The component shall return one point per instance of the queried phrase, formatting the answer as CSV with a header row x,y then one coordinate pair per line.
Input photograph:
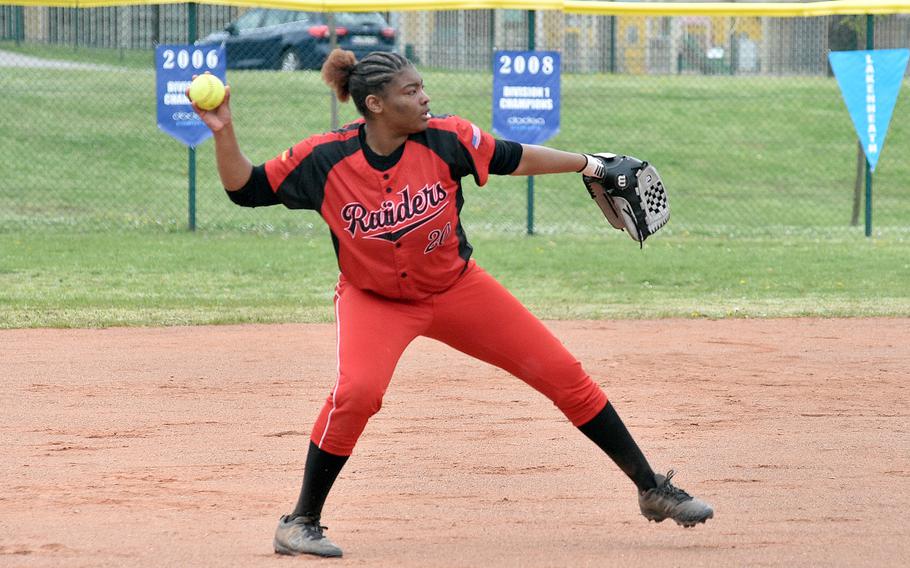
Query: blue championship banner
x,y
175,66
870,82
526,95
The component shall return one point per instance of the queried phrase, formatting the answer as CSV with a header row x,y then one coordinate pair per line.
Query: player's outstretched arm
x,y
538,160
234,167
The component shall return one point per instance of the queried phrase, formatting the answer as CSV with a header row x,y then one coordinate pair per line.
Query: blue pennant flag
x,y
870,82
175,66
526,95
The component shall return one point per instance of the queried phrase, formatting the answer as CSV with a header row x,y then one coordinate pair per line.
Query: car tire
x,y
289,60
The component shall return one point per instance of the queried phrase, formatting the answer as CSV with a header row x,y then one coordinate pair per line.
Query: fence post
x,y
612,44
492,36
532,27
20,25
74,27
870,44
191,151
333,43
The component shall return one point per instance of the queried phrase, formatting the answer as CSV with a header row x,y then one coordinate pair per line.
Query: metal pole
x,y
191,157
532,25
612,44
530,205
74,28
333,43
492,38
870,43
20,25
191,196
868,200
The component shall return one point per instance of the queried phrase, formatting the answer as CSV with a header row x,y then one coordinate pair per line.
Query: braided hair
x,y
354,79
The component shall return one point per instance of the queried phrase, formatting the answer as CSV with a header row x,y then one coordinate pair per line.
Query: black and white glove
x,y
629,192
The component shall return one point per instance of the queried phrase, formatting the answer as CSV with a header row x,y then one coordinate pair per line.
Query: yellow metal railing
x,y
775,9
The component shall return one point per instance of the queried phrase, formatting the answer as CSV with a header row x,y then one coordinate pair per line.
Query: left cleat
x,y
667,501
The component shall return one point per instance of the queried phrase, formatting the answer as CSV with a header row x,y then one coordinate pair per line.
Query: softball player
x,y
389,188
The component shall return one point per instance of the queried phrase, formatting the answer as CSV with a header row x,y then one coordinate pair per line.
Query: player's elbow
x,y
256,192
241,197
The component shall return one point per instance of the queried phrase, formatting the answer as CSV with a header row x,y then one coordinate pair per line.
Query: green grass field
x,y
760,170
147,278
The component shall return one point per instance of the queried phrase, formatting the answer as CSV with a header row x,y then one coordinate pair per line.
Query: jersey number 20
x,y
437,237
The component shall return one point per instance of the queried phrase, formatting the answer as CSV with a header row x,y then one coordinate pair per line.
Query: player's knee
x,y
362,400
542,370
562,374
570,388
580,401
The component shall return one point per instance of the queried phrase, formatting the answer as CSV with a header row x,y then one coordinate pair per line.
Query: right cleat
x,y
302,535
669,502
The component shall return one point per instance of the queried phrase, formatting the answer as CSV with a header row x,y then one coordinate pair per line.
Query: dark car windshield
x,y
250,20
262,18
349,19
277,17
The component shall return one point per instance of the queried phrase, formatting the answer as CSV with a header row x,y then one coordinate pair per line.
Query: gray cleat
x,y
302,535
666,501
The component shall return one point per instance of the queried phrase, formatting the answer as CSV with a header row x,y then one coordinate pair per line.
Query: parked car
x,y
288,40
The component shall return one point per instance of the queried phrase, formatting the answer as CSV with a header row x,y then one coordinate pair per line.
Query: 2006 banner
x,y
175,66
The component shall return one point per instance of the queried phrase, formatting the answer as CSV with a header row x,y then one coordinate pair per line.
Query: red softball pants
x,y
477,316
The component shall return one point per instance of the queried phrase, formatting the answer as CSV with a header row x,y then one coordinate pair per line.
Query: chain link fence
x,y
740,114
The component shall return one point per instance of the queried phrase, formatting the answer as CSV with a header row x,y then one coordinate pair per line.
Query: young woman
x,y
389,188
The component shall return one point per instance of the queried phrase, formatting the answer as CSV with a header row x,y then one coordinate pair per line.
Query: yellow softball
x,y
207,91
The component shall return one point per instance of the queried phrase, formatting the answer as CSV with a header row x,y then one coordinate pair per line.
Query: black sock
x,y
610,434
322,469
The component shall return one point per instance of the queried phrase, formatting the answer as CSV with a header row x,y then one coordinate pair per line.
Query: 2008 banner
x,y
526,95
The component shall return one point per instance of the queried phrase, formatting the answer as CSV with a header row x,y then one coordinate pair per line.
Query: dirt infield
x,y
182,446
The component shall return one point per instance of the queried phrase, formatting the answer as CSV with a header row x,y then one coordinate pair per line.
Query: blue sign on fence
x,y
526,95
175,66
870,82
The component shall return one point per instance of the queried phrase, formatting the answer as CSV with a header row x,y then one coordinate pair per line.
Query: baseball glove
x,y
629,192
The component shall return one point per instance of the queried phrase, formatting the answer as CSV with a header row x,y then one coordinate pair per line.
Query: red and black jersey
x,y
394,219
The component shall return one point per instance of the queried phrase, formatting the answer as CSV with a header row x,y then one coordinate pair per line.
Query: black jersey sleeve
x,y
462,145
257,191
506,157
